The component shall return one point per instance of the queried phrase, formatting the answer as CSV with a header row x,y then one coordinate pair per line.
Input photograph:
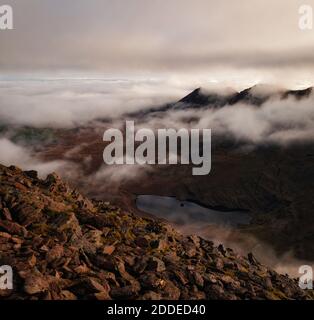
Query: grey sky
x,y
156,35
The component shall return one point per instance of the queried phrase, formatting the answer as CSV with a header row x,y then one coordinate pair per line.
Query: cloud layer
x,y
68,102
13,154
118,36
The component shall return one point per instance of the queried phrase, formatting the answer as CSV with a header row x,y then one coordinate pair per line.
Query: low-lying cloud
x,y
70,102
13,154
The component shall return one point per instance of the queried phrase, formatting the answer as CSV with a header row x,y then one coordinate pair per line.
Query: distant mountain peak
x,y
195,95
256,95
298,94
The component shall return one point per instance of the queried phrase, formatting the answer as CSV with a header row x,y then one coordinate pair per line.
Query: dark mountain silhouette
x,y
198,98
298,94
201,99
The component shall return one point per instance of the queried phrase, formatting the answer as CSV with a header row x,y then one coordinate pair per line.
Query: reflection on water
x,y
185,212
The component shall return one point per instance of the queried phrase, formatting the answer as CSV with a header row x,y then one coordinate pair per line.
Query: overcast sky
x,y
136,36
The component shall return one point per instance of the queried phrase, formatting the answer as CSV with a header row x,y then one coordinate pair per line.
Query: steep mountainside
x,y
63,246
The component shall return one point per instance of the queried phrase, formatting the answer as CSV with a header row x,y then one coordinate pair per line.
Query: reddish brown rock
x,y
108,250
65,247
35,283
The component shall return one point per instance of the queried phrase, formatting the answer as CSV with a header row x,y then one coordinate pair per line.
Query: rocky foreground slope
x,y
63,246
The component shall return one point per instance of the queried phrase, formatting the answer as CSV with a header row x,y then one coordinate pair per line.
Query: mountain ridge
x,y
199,98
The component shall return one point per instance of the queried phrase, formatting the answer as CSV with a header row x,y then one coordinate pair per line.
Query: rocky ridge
x,y
63,246
202,99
